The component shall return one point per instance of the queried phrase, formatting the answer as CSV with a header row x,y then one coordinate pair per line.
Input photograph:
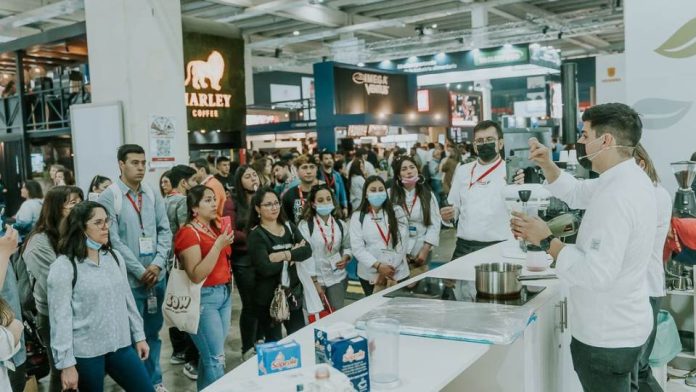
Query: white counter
x,y
425,364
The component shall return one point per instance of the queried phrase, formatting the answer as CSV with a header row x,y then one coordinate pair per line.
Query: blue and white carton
x,y
340,346
278,357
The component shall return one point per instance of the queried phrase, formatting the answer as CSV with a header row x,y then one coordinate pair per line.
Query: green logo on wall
x,y
500,56
682,43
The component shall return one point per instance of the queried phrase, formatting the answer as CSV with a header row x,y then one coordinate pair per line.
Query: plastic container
x,y
383,343
537,261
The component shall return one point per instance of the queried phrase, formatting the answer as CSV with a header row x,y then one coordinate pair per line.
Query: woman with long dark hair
x,y
246,181
94,318
166,184
40,252
29,211
204,251
274,245
330,242
422,211
356,183
263,167
378,230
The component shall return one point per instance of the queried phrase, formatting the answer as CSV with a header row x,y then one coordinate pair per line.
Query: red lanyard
x,y
138,207
329,246
485,174
331,182
413,204
385,238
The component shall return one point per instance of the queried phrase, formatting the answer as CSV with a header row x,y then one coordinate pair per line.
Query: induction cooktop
x,y
460,290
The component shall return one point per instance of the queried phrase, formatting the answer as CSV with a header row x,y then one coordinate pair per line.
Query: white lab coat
x,y
356,187
606,269
481,210
656,270
8,348
367,244
325,272
429,234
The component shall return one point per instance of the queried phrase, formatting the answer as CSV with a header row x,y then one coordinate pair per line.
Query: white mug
x,y
537,261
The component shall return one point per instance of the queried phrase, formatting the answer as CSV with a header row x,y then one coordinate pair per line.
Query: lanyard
x,y
485,174
204,229
331,182
385,238
138,208
413,204
329,246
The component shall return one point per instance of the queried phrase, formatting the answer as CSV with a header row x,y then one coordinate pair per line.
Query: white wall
x,y
661,78
136,57
610,71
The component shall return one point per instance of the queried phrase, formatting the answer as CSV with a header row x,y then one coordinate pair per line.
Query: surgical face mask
x,y
324,209
487,151
584,158
376,199
409,181
92,244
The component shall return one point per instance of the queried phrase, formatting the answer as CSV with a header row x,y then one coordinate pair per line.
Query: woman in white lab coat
x,y
378,231
420,205
328,237
356,183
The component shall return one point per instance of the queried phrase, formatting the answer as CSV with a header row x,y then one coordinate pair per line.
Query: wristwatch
x,y
545,244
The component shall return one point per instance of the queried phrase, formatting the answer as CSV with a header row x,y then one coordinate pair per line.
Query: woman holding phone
x,y
204,252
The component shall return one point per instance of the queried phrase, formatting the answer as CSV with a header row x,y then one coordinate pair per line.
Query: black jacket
x,y
261,243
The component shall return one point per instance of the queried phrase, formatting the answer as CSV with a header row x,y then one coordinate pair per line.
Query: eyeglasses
x,y
101,223
489,139
271,205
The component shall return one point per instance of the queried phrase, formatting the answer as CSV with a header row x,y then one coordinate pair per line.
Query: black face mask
x,y
582,156
487,151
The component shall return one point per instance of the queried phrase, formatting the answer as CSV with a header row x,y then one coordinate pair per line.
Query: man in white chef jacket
x,y
609,314
476,197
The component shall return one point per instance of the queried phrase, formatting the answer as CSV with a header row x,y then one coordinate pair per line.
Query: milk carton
x,y
349,356
278,357
323,334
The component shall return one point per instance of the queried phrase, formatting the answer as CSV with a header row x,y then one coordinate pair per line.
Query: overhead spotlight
x,y
560,35
447,85
295,33
434,25
361,64
203,131
278,52
459,86
545,29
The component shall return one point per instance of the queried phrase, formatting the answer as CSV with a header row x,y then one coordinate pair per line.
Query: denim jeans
x,y
213,327
123,366
152,323
604,369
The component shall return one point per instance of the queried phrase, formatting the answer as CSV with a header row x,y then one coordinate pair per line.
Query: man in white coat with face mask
x,y
476,199
609,310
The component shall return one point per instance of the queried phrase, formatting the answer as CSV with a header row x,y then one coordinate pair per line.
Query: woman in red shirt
x,y
204,250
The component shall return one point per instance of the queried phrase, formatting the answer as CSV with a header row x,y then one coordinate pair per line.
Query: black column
x,y
23,109
570,102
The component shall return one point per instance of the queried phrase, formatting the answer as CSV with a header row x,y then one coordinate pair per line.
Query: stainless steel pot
x,y
498,279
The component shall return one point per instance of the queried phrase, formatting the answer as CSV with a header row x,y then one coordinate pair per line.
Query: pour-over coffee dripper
x,y
685,199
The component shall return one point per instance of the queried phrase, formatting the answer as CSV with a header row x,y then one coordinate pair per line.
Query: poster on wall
x,y
465,109
161,139
214,83
307,88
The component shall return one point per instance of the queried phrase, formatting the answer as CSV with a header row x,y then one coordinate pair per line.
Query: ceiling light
x,y
434,25
459,86
202,130
447,85
438,116
296,33
412,116
471,88
361,64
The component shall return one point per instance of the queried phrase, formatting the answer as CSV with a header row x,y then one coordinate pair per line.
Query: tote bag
x,y
182,299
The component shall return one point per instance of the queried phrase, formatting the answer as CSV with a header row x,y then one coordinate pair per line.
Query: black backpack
x,y
74,266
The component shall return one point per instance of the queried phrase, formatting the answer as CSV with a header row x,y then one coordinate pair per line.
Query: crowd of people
x,y
97,267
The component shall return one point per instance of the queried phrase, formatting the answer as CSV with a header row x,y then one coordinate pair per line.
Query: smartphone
x,y
226,224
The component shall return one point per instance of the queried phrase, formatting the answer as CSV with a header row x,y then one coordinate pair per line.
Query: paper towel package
x,y
322,335
278,357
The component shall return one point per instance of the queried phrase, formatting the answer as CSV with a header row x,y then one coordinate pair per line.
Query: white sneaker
x,y
160,388
190,371
250,353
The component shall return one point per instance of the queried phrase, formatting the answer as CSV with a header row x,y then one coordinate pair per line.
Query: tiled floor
x,y
176,381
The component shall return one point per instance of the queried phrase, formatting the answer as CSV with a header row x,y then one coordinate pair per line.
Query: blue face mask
x,y
92,244
376,199
324,209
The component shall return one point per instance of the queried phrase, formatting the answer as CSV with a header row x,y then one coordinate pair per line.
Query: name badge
x,y
412,231
333,260
390,257
147,246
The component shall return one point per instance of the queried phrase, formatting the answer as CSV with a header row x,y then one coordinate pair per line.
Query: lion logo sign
x,y
197,71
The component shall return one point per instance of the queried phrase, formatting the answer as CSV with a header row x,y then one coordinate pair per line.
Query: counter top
x,y
441,360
